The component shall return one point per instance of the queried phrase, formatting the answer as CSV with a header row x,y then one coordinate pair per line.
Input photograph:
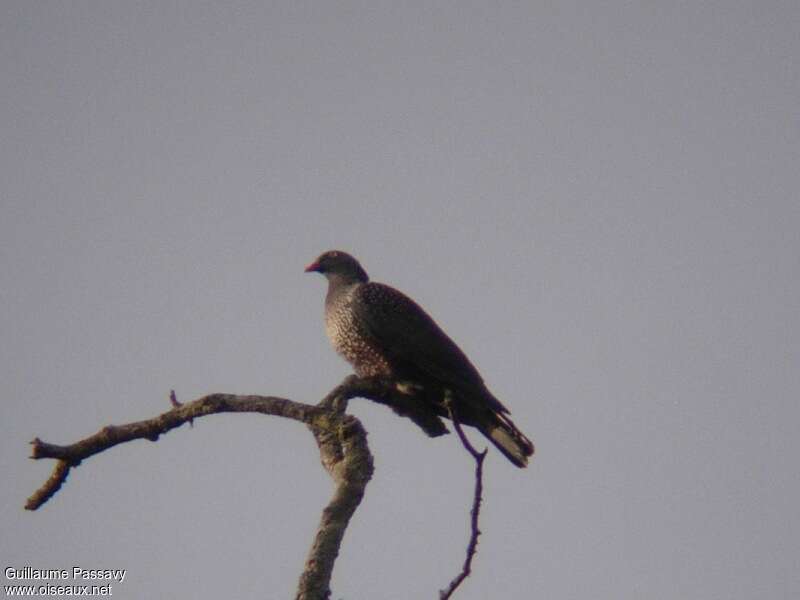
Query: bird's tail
x,y
509,440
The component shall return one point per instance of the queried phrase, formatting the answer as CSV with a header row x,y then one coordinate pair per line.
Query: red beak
x,y
314,266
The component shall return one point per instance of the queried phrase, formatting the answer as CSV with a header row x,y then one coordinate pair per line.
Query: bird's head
x,y
339,265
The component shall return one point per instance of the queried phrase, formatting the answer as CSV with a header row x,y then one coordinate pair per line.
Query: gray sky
x,y
598,201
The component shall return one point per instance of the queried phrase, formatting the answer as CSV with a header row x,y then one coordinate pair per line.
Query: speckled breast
x,y
348,339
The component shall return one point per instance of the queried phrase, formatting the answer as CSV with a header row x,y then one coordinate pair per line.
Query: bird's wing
x,y
409,336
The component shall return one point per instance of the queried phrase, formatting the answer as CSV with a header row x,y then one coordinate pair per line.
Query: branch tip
x,y
49,487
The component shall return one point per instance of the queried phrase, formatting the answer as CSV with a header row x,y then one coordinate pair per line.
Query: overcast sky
x,y
597,200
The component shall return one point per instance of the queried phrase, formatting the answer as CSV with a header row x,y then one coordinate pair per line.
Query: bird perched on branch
x,y
382,332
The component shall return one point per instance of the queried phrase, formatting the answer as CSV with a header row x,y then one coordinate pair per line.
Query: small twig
x,y
472,546
173,399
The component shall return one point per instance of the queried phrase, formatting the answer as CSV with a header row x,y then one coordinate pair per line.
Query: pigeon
x,y
382,332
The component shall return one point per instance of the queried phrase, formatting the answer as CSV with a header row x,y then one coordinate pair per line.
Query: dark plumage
x,y
381,331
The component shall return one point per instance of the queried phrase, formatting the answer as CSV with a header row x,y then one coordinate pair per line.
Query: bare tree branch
x,y
341,440
472,546
150,429
401,397
346,457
